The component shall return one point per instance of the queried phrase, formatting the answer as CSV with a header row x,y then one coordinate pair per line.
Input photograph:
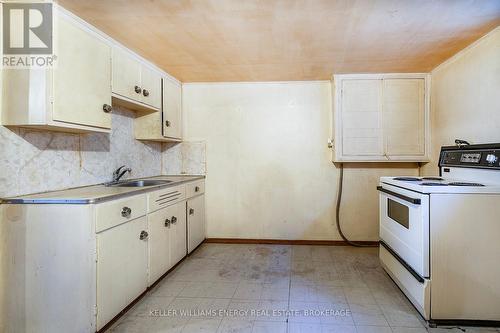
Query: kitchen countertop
x,y
96,193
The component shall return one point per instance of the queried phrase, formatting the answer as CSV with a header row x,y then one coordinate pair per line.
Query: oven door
x,y
404,227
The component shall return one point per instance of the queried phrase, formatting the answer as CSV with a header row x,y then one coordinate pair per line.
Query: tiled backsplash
x,y
184,158
35,161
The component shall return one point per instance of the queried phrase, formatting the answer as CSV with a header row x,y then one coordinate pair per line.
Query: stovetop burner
x,y
464,184
432,178
433,184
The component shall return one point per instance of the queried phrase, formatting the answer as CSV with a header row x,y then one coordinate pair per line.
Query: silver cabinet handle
x,y
107,108
174,220
143,235
191,211
167,223
126,211
145,93
197,189
167,123
137,89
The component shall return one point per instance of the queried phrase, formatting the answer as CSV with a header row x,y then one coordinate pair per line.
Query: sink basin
x,y
142,183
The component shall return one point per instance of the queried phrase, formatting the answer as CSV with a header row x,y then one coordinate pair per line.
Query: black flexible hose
x,y
337,211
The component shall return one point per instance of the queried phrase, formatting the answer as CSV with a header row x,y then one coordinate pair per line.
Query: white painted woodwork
x,y
153,127
122,264
58,273
151,81
195,188
195,221
222,41
159,242
81,79
172,109
166,197
460,240
404,117
178,234
129,73
47,269
361,122
126,74
71,96
381,117
109,214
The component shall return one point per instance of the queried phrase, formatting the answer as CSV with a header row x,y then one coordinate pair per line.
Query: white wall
x,y
465,97
269,170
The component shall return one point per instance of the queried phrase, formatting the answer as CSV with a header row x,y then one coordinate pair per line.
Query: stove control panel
x,y
488,158
470,158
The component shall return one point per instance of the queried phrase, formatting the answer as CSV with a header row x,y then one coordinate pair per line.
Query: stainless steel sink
x,y
141,183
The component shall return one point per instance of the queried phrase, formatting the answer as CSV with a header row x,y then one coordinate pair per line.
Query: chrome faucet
x,y
119,173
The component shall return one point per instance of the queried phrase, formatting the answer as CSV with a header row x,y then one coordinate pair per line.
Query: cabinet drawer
x,y
166,197
195,188
117,212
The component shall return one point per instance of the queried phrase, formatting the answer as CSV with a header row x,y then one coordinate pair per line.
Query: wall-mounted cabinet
x,y
134,84
381,117
165,125
74,96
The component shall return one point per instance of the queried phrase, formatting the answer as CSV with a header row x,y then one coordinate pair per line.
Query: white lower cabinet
x,y
122,265
178,233
81,272
160,226
195,221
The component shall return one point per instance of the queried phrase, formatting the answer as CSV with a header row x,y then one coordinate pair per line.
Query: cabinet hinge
x,y
95,310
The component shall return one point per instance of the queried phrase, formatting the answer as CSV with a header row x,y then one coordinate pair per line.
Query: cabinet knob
x,y
126,211
137,89
143,235
107,108
197,189
167,123
191,211
174,220
145,93
167,223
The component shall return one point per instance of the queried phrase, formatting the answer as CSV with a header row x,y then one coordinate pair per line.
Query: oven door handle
x,y
400,196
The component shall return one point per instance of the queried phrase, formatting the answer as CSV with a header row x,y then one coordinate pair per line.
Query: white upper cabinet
x,y
74,96
135,85
404,117
172,109
126,75
381,117
81,79
165,125
362,118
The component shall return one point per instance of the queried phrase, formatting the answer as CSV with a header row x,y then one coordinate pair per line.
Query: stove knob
x,y
491,159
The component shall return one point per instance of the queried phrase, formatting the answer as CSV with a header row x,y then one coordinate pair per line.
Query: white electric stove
x,y
440,235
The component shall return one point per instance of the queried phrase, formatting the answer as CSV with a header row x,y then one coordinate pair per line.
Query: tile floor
x,y
277,288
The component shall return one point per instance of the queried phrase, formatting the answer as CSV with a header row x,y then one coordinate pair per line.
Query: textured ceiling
x,y
268,40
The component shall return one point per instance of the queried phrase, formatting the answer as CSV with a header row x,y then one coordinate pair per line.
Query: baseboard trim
x,y
284,241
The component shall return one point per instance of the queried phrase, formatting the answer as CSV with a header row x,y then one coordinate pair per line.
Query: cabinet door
x,y
151,87
404,117
361,117
81,78
159,224
126,75
195,221
172,109
178,247
122,263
